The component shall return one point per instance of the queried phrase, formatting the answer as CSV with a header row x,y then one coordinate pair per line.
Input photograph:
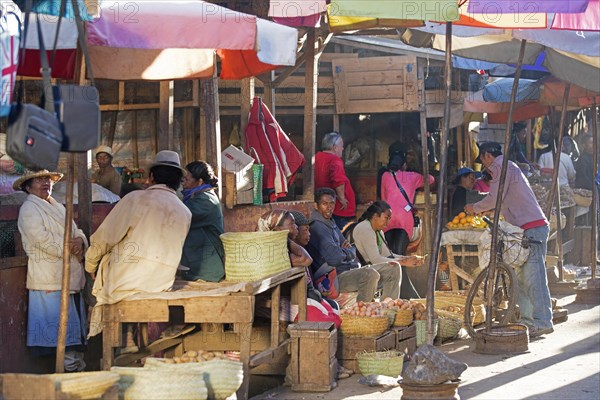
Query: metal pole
x,y
437,237
492,268
66,272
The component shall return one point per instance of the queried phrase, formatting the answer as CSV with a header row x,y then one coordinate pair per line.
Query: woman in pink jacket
x,y
400,227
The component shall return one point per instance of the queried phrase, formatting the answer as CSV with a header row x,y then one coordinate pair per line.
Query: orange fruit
x,y
462,215
463,221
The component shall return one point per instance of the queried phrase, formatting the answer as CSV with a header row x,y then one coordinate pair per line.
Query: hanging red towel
x,y
281,158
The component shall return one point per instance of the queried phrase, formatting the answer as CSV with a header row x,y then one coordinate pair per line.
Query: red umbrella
x,y
280,157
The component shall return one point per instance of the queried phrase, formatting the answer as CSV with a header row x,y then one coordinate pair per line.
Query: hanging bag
x,y
78,106
257,176
417,228
34,134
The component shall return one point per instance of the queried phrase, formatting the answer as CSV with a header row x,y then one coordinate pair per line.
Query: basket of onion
x,y
364,319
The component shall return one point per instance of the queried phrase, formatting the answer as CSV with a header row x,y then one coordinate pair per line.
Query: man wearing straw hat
x,y
106,175
138,246
42,224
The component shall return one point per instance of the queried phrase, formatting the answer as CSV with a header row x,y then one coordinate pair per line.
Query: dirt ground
x,y
563,365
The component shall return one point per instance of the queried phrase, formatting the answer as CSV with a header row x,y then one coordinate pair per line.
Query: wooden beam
x,y
290,70
165,123
201,140
210,103
246,96
269,93
310,114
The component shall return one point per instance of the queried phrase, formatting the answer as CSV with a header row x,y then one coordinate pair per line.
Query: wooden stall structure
x,y
219,303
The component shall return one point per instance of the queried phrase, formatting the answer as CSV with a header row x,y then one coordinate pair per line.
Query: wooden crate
x,y
349,346
406,338
313,366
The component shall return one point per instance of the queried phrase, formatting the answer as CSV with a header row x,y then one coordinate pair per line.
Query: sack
x,y
326,281
9,60
417,229
257,179
33,137
80,114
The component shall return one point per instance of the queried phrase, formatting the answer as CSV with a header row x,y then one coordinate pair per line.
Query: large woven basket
x,y
363,326
403,318
442,301
387,363
222,377
250,256
390,313
582,201
85,385
421,326
448,327
150,384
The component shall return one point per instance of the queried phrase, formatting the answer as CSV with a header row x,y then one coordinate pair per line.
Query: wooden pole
x,y
494,248
554,187
165,116
595,200
66,271
310,117
210,102
246,97
423,120
437,237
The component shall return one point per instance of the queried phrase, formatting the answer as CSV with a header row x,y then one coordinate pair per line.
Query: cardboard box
x,y
236,161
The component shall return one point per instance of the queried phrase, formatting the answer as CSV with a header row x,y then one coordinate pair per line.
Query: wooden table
x,y
202,306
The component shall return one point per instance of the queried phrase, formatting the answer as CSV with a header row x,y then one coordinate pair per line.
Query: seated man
x,y
330,250
138,246
106,175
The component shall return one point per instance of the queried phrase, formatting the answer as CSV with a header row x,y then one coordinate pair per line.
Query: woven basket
x,y
363,326
582,201
222,377
150,384
448,328
403,318
390,313
441,302
85,385
387,363
421,326
250,256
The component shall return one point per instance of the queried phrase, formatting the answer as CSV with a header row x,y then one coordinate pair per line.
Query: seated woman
x,y
203,251
368,237
464,193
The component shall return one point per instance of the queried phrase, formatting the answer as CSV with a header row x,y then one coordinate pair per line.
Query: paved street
x,y
564,365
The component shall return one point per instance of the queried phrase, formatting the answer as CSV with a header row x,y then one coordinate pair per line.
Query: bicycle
x,y
504,285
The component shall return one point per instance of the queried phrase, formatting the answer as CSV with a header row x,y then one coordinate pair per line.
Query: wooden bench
x,y
210,307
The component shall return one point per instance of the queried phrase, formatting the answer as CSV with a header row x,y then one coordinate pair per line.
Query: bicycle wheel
x,y
504,298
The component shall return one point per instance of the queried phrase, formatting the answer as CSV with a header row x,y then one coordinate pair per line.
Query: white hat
x,y
167,158
104,149
54,176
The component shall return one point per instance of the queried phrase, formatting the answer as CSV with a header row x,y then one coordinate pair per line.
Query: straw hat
x,y
104,149
167,158
54,176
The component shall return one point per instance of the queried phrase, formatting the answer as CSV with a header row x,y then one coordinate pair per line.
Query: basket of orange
x,y
464,221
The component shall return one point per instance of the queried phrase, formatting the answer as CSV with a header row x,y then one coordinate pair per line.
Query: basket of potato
x,y
364,319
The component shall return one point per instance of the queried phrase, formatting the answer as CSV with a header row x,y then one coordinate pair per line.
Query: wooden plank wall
x,y
376,85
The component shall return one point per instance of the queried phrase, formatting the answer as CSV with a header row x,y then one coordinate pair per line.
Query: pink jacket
x,y
410,181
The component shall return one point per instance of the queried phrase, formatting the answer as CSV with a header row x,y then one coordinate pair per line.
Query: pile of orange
x,y
464,221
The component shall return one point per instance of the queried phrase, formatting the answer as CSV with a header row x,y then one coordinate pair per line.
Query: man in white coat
x,y
138,246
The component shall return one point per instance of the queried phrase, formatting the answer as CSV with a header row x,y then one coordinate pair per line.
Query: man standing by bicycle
x,y
520,208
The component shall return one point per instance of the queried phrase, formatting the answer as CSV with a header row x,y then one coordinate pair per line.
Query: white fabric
x,y
98,193
67,36
276,44
296,8
513,254
566,169
42,225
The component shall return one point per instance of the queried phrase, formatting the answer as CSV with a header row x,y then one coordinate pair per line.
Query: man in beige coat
x,y
138,246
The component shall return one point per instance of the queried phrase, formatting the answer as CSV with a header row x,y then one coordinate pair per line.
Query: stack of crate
x,y
313,366
406,338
